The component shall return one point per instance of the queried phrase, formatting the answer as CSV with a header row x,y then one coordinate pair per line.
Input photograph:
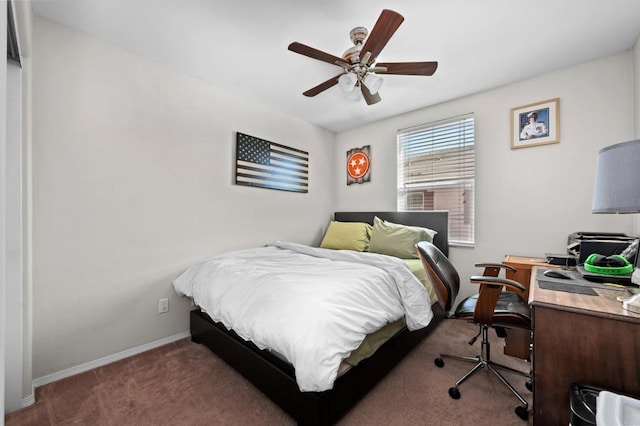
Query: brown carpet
x,y
185,384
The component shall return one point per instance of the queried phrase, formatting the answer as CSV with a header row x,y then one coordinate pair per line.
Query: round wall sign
x,y
358,164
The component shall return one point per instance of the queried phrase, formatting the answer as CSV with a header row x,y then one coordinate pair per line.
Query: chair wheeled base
x,y
484,360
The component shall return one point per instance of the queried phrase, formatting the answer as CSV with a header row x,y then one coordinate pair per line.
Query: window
x,y
436,171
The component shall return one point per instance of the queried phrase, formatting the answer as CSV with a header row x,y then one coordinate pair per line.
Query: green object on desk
x,y
599,264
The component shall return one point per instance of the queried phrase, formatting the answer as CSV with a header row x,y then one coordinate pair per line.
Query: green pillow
x,y
347,236
397,240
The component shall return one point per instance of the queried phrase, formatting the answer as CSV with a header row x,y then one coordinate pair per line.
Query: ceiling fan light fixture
x,y
347,82
355,95
359,79
373,83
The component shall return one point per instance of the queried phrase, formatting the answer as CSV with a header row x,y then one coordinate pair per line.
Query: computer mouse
x,y
553,273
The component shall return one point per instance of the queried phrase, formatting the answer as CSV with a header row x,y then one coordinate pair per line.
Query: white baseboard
x,y
50,378
31,398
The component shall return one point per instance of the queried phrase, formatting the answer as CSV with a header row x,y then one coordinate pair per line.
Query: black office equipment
x,y
566,287
576,283
604,248
552,273
582,244
561,259
605,278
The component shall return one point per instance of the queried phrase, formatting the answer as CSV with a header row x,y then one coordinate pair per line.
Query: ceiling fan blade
x,y
322,86
347,67
385,27
313,53
368,97
408,68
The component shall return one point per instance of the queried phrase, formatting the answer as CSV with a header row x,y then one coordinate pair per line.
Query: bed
x,y
276,377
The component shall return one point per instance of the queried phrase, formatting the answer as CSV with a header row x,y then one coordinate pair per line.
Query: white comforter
x,y
313,306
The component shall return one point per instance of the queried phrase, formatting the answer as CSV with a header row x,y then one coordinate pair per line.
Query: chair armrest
x,y
494,266
490,290
511,284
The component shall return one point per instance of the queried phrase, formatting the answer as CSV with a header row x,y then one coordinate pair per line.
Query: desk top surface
x,y
604,304
525,260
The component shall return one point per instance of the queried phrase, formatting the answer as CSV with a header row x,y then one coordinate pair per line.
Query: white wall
x,y
3,195
13,240
132,177
17,366
527,200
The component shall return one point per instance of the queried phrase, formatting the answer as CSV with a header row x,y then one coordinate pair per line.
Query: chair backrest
x,y
443,276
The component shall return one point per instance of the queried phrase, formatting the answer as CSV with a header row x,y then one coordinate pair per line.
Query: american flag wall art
x,y
265,164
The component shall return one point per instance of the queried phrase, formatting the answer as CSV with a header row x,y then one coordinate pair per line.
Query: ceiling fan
x,y
359,77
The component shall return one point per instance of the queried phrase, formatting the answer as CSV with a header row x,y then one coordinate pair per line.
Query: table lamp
x,y
617,183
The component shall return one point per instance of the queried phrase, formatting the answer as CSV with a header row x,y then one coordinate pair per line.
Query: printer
x,y
583,244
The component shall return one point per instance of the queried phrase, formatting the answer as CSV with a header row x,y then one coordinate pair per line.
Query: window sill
x,y
461,244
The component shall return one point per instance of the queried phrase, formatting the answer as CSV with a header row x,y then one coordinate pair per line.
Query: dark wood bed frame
x,y
276,378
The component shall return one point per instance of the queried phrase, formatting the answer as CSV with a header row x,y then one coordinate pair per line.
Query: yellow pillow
x,y
347,236
397,240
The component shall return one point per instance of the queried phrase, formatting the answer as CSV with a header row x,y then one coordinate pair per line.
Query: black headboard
x,y
437,220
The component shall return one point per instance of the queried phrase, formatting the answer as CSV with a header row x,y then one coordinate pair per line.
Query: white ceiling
x,y
241,45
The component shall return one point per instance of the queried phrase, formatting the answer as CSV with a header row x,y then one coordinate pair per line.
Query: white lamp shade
x,y
347,82
617,183
373,83
355,94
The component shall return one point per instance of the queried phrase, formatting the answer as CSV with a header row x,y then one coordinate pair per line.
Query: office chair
x,y
490,307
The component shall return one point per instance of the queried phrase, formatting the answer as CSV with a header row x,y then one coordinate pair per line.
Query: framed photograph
x,y
535,124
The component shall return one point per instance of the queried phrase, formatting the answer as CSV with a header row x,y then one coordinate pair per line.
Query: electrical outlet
x,y
163,306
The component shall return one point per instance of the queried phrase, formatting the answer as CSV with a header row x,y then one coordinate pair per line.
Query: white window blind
x,y
436,171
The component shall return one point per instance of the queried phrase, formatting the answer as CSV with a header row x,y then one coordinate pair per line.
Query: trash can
x,y
583,404
591,405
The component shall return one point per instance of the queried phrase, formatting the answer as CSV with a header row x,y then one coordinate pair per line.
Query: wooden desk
x,y
524,265
518,341
582,339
